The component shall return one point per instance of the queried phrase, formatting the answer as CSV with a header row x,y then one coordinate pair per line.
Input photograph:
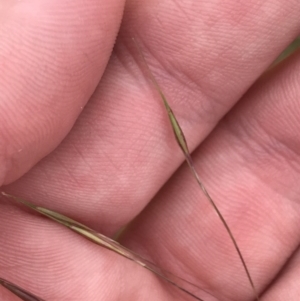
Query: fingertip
x,y
53,54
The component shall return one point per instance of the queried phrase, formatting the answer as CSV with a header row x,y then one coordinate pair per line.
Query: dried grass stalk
x,y
20,292
108,243
181,140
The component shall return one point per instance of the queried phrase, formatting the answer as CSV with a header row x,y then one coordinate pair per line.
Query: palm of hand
x,y
120,153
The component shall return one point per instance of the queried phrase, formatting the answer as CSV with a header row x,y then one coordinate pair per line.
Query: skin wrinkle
x,y
170,69
286,290
253,153
128,63
82,156
268,143
182,10
68,171
77,178
209,107
283,150
183,269
274,147
190,82
279,275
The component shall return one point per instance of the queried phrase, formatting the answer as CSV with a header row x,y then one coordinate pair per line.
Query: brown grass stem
x,y
181,140
19,292
106,242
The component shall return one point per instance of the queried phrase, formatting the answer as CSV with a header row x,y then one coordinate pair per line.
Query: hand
x,y
84,133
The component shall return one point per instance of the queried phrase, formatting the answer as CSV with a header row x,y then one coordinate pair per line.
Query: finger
x,y
121,150
285,286
250,165
53,54
56,264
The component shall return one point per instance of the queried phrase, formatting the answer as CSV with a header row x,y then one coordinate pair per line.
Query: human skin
x,y
83,132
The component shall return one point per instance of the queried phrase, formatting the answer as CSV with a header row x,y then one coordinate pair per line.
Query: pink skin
x,y
91,134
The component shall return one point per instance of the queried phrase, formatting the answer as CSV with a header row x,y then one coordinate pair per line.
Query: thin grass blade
x,y
19,292
181,140
187,287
